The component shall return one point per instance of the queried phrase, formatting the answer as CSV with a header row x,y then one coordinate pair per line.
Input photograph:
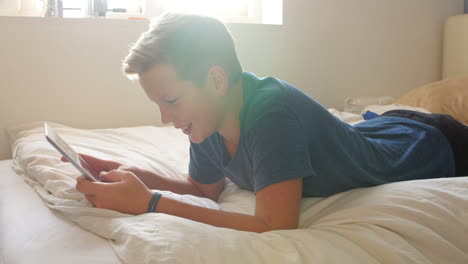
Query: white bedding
x,y
33,233
409,222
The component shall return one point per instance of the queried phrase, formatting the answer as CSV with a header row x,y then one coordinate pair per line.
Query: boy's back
x,y
287,135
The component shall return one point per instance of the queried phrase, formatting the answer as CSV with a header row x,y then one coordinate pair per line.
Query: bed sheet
x,y
33,233
423,221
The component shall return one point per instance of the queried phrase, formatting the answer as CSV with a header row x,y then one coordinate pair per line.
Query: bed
x,y
46,220
33,233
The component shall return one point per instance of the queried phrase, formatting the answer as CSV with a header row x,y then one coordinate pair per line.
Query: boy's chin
x,y
197,138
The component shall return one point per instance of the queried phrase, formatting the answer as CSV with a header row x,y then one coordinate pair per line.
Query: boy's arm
x,y
277,205
154,181
185,186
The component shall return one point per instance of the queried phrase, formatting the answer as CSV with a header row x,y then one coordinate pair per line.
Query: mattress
x,y
424,221
33,233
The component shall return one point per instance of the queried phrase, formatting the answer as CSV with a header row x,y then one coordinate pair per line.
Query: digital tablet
x,y
70,154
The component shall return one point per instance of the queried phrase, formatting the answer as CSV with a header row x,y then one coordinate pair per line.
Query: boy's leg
x,y
456,133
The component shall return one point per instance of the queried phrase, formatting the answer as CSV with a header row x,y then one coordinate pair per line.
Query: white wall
x,y
334,49
68,70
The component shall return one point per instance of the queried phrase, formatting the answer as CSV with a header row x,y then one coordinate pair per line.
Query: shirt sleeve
x,y
280,150
201,168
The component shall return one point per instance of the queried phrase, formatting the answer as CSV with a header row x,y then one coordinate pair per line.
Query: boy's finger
x,y
88,187
100,164
113,176
90,159
63,159
80,178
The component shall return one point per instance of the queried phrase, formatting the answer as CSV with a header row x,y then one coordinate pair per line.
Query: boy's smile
x,y
197,111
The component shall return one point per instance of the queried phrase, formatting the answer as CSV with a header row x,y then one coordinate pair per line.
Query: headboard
x,y
455,56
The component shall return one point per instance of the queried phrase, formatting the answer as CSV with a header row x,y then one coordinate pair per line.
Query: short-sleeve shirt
x,y
285,135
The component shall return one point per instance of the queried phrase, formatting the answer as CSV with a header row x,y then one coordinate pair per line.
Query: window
x,y
240,10
73,8
99,8
237,11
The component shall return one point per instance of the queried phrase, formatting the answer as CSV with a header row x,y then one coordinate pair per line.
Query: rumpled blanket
x,y
423,221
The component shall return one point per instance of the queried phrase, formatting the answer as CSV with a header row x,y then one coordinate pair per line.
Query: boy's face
x,y
197,111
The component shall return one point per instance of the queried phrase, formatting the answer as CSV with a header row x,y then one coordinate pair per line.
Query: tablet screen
x,y
69,153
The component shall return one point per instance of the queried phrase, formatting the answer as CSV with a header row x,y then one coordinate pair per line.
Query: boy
x,y
263,134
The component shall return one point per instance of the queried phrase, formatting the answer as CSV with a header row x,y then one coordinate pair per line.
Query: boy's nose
x,y
166,116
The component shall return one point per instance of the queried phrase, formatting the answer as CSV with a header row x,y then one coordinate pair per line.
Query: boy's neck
x,y
230,130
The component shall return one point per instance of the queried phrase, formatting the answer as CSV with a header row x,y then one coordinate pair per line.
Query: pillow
x,y
380,109
448,96
356,105
355,118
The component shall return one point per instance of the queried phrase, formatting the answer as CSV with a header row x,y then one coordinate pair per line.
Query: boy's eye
x,y
172,101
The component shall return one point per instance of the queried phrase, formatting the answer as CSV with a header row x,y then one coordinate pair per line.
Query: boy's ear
x,y
219,79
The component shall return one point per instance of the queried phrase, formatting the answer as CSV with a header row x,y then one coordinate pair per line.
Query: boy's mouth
x,y
187,129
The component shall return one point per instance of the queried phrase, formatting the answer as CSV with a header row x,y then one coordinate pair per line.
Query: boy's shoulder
x,y
262,88
273,99
263,97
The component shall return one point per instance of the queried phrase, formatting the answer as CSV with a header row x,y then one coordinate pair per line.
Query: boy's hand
x,y
98,165
120,190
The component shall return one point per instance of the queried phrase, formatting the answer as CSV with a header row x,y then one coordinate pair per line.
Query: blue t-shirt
x,y
285,135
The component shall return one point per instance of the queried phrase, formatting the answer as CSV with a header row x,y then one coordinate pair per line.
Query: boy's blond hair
x,y
190,43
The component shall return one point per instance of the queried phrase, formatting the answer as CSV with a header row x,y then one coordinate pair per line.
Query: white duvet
x,y
423,221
